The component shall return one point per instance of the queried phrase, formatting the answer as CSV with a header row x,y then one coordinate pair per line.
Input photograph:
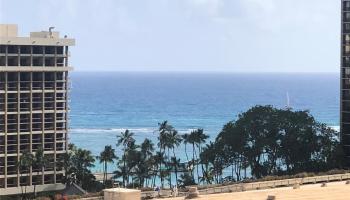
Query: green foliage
x,y
272,141
105,157
126,140
263,143
77,163
186,179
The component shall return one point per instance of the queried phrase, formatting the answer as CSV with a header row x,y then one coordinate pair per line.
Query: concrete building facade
x,y
345,79
34,88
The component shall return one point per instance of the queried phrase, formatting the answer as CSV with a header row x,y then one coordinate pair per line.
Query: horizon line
x,y
208,71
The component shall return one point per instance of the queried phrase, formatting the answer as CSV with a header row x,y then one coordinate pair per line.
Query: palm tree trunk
x,y
124,168
203,173
154,179
25,190
105,173
176,181
160,166
169,168
160,170
193,152
186,151
20,177
197,166
35,187
34,192
200,152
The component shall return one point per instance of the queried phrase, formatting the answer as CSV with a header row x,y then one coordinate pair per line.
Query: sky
x,y
189,35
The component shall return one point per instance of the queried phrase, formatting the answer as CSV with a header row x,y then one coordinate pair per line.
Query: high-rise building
x,y
33,107
345,80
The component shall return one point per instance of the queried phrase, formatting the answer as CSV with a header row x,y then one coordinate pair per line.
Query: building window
x,y
346,60
346,84
25,49
347,4
2,61
346,95
347,27
347,16
2,49
347,48
346,73
12,49
346,38
38,50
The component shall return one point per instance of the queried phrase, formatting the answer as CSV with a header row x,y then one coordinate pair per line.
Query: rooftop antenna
x,y
50,31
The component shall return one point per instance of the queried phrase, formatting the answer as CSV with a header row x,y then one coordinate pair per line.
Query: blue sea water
x,y
104,104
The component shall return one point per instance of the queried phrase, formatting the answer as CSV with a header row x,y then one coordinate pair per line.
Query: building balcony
x,y
346,27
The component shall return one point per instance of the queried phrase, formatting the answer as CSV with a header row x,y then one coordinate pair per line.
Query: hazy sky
x,y
189,35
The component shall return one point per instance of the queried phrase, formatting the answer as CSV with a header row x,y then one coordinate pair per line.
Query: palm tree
x,y
23,165
132,158
147,149
176,163
185,138
192,140
106,156
125,138
68,165
176,140
159,158
200,138
83,160
168,144
152,170
120,172
208,156
40,161
197,138
164,131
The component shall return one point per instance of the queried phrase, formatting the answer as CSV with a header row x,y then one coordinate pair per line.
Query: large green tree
x,y
77,163
271,141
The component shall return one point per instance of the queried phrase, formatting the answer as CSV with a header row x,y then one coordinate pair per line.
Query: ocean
x,y
103,104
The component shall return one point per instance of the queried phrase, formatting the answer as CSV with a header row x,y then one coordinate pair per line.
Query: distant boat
x,y
288,101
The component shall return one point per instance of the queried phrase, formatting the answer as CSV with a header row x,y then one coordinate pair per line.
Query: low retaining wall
x,y
252,186
121,194
30,189
277,183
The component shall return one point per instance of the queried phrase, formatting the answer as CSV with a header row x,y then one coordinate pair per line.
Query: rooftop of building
x,y
9,36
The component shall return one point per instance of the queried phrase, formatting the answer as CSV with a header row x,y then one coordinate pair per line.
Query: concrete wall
x,y
30,189
122,194
8,30
44,34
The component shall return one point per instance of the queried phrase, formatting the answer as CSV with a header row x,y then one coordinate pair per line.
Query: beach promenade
x,y
334,191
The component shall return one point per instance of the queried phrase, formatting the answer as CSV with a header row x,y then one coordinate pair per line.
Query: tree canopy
x,y
271,141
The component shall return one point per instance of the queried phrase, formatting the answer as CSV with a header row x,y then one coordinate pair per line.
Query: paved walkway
x,y
333,191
